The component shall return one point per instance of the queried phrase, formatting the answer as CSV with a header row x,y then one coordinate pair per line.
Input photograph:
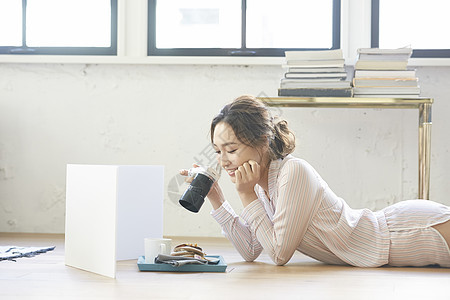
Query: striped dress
x,y
302,213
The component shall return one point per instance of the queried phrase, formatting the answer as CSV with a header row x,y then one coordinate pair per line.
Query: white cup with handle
x,y
155,246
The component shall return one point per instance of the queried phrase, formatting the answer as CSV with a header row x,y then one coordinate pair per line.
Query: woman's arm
x,y
233,227
299,195
238,232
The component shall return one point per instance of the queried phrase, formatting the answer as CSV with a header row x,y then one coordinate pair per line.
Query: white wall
x,y
55,114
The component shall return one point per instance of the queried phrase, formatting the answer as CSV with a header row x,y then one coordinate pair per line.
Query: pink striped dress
x,y
302,213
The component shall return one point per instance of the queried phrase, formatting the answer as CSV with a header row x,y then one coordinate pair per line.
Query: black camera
x,y
194,196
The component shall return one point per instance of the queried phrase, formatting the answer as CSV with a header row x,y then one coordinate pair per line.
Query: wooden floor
x,y
46,277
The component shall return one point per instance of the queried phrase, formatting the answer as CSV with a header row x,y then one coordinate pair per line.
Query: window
x,y
242,27
416,23
77,27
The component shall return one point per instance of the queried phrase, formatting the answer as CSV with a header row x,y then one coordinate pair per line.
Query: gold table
x,y
422,104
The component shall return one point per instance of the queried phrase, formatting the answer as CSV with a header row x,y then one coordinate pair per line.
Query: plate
x,y
220,267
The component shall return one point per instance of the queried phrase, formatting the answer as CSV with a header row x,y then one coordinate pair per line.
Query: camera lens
x,y
194,196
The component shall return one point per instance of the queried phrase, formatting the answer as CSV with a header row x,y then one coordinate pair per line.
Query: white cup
x,y
155,246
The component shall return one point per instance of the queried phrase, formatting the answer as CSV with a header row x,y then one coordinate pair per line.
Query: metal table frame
x,y
422,104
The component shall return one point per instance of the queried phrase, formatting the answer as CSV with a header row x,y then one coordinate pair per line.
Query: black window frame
x,y
417,53
25,50
243,51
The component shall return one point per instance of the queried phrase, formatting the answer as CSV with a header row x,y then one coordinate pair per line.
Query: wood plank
x,y
46,277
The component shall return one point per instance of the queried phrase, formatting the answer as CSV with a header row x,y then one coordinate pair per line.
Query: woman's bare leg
x,y
444,230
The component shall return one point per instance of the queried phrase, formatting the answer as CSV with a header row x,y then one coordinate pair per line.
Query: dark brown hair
x,y
253,126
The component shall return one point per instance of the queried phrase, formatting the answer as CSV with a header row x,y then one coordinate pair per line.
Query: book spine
x,y
306,92
323,54
315,75
385,74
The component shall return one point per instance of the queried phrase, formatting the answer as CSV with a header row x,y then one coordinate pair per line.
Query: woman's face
x,y
231,153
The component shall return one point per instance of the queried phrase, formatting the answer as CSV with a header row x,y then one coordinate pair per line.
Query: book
x,y
315,70
385,73
380,65
314,83
315,75
402,96
387,90
404,50
384,82
385,57
316,92
310,79
314,54
325,63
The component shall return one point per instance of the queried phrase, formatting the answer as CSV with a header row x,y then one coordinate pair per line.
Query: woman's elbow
x,y
280,262
249,257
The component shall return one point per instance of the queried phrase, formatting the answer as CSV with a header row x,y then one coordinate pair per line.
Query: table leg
x,y
424,150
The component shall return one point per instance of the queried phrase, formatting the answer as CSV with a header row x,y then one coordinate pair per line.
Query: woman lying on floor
x,y
289,207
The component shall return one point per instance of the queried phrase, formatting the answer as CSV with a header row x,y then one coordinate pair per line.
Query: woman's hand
x,y
185,172
247,176
215,195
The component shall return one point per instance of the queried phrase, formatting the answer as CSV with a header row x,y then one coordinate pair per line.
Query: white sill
x,y
182,60
164,60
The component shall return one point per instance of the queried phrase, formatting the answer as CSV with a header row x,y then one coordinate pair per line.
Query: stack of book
x,y
384,73
314,73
